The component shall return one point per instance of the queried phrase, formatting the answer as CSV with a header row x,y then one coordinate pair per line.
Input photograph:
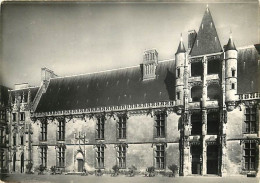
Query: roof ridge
x,y
109,70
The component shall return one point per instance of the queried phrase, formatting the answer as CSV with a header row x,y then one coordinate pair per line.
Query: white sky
x,y
75,38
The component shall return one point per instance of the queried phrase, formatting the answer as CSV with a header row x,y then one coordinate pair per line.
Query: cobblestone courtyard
x,y
21,178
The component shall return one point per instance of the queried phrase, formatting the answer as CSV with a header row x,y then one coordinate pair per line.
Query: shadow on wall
x,y
170,84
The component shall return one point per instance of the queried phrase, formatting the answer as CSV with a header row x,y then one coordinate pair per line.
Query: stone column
x,y
204,116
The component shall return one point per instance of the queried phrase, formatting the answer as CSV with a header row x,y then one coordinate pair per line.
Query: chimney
x,y
47,74
191,38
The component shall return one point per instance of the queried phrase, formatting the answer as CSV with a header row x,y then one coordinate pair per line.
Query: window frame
x,y
22,116
160,125
121,127
100,128
250,156
160,156
250,120
44,128
14,117
60,157
100,157
121,156
43,155
61,130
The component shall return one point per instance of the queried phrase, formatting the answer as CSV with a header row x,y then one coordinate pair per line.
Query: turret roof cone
x,y
181,48
230,45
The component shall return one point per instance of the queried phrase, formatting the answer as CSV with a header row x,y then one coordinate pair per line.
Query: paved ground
x,y
21,178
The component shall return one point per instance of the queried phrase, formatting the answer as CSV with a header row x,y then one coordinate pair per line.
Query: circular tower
x,y
180,57
231,71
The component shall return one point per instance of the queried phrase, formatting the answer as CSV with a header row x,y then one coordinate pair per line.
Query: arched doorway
x,y
14,161
80,162
22,163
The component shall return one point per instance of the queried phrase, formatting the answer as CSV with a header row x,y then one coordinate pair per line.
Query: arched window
x,y
213,92
196,93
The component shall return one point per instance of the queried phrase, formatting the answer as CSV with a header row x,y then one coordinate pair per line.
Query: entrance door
x,y
22,163
80,165
212,159
195,163
14,161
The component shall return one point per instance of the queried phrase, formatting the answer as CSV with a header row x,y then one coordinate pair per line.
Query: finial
x,y
207,7
181,37
230,34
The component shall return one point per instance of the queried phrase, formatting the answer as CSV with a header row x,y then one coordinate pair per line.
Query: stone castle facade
x,y
199,111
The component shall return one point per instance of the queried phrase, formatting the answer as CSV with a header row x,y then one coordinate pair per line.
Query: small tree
x,y
174,168
132,170
116,170
53,170
29,168
41,169
150,171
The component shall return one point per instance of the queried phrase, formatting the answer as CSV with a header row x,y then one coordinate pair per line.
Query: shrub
x,y
132,170
41,168
53,170
174,168
116,170
29,167
150,171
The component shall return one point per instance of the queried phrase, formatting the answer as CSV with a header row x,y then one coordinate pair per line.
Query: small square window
x,y
178,95
233,86
178,72
22,116
233,73
14,116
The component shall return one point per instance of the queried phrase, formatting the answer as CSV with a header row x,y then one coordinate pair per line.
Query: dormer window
x,y
149,64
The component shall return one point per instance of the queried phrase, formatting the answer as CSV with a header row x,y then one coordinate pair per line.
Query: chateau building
x,y
3,129
199,110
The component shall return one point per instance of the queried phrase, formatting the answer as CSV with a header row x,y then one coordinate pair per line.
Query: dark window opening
x,y
233,86
22,116
43,156
61,157
21,140
160,157
195,162
212,159
233,73
160,125
121,156
14,140
61,130
213,92
214,66
100,128
196,93
250,156
100,157
196,123
121,127
212,123
178,72
14,116
250,120
43,131
196,69
178,96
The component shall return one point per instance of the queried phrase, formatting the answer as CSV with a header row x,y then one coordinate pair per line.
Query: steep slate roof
x,y
181,48
110,88
230,45
207,37
248,70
